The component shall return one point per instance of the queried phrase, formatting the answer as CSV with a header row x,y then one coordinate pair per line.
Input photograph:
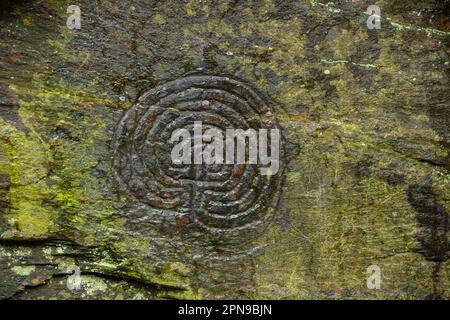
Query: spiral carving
x,y
220,198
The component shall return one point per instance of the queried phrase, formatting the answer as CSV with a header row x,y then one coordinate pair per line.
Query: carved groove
x,y
222,199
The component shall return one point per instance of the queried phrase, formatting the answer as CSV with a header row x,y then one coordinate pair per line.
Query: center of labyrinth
x,y
222,198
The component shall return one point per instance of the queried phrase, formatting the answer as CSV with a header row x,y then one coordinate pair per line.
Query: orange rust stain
x,y
240,170
15,56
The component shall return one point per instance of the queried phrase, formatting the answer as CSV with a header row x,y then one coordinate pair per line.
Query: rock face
x,y
364,187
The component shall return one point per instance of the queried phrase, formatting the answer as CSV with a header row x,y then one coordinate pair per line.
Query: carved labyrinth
x,y
225,200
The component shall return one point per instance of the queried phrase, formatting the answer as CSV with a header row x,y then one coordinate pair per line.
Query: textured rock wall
x,y
365,116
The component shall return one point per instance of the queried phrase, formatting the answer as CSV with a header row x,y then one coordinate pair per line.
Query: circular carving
x,y
222,199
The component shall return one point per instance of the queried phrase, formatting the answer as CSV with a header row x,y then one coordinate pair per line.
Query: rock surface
x,y
365,116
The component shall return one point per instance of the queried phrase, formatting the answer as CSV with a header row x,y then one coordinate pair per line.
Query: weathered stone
x,y
364,114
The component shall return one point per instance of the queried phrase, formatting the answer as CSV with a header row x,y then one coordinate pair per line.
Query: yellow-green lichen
x,y
23,270
28,165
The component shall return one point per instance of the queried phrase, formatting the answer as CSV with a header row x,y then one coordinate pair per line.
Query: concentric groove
x,y
222,199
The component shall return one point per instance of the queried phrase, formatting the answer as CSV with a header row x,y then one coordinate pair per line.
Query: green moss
x,y
189,294
27,21
172,274
48,109
64,135
339,214
28,164
159,19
